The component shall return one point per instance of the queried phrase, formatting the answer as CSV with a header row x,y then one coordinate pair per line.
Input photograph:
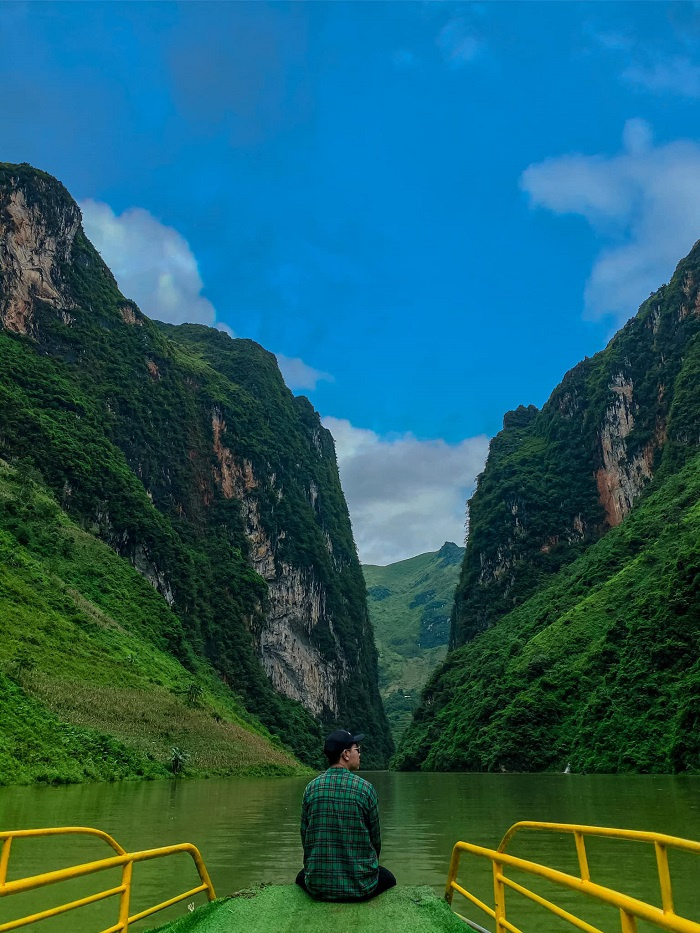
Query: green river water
x,y
247,831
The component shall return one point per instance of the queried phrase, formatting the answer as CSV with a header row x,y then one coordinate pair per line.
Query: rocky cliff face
x,y
183,449
576,619
557,480
33,250
623,475
296,604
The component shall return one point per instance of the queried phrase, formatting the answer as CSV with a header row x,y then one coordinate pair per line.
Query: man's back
x,y
340,834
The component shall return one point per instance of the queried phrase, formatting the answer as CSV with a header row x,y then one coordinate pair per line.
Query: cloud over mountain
x,y
405,496
298,374
152,263
643,205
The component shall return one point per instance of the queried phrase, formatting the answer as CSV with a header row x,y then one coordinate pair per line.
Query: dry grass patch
x,y
93,612
154,720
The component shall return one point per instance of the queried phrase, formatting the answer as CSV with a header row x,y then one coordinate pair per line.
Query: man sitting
x,y
340,829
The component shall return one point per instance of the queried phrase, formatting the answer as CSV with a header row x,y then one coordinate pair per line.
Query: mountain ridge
x,y
184,451
565,586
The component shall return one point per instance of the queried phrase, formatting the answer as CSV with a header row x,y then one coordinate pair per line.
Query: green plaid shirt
x,y
340,835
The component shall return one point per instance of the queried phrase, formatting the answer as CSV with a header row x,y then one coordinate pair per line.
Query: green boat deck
x,y
287,909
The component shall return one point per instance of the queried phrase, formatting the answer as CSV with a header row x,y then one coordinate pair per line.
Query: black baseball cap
x,y
339,740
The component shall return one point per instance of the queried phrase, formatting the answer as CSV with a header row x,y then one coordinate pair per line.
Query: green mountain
x,y
89,686
410,604
577,615
184,452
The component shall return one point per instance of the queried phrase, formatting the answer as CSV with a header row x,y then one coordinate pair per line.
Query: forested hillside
x,y
89,685
410,603
182,450
577,615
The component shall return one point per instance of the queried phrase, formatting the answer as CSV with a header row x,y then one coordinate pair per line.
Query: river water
x,y
247,831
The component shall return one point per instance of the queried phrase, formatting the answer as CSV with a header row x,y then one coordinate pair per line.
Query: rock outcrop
x,y
296,604
34,247
622,476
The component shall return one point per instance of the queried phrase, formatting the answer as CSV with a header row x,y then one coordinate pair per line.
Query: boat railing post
x,y
499,894
203,873
125,898
582,858
664,877
4,860
452,874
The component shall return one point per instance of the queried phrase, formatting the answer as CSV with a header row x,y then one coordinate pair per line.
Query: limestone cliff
x,y
556,480
296,604
35,245
184,450
577,616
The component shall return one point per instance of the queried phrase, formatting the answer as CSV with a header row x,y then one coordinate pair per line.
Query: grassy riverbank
x,y
96,680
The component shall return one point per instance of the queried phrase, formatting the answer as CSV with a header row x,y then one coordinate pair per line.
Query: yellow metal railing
x,y
123,859
630,909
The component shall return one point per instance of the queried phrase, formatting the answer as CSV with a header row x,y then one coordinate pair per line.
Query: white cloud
x,y
298,374
670,75
405,496
152,263
224,328
643,204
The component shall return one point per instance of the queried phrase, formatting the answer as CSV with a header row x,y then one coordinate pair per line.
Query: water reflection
x,y
248,829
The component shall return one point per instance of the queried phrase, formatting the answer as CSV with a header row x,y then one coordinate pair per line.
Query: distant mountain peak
x,y
450,553
410,603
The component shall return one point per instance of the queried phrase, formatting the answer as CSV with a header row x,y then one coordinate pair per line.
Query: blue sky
x,y
429,211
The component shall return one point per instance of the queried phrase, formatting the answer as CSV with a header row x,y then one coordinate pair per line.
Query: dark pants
x,y
385,880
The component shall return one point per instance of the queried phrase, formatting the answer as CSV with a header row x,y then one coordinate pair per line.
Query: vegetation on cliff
x,y
410,604
577,616
557,479
88,686
599,669
163,442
